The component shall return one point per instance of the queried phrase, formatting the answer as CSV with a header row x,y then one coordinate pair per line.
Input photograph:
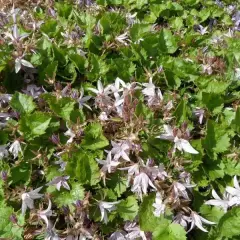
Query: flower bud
x,y
55,139
13,218
4,176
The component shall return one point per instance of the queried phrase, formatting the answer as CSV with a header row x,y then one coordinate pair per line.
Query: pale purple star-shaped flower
x,y
197,221
123,38
199,112
141,183
181,219
234,192
15,148
100,89
224,203
106,207
82,100
132,170
134,231
179,143
33,90
45,214
149,89
103,116
159,206
28,197
108,164
3,151
118,235
71,134
155,171
180,190
59,182
120,150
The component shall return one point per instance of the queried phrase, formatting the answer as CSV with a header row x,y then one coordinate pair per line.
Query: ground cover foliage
x,y
119,120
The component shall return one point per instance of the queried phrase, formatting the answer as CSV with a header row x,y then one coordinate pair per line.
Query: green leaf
x,y
216,140
22,103
79,61
34,125
181,111
167,42
128,209
147,221
117,183
21,173
69,197
213,214
61,107
64,9
94,138
166,231
228,225
212,100
7,228
51,70
83,166
236,121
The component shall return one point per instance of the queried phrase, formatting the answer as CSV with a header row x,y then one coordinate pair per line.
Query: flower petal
x,y
186,146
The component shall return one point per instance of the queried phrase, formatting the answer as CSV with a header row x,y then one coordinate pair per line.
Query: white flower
x,y
169,105
134,231
60,182
15,36
132,170
70,134
182,220
183,145
131,18
3,151
123,38
168,135
100,90
199,112
223,203
237,73
27,199
180,143
207,69
155,171
51,235
234,191
158,205
149,89
33,90
103,116
15,148
230,33
116,86
60,162
202,30
141,183
154,95
108,164
5,97
45,214
197,220
19,62
106,206
120,150
180,190
118,236
82,100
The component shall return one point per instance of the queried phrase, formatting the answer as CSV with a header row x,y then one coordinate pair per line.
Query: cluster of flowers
x,y
144,177
118,101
